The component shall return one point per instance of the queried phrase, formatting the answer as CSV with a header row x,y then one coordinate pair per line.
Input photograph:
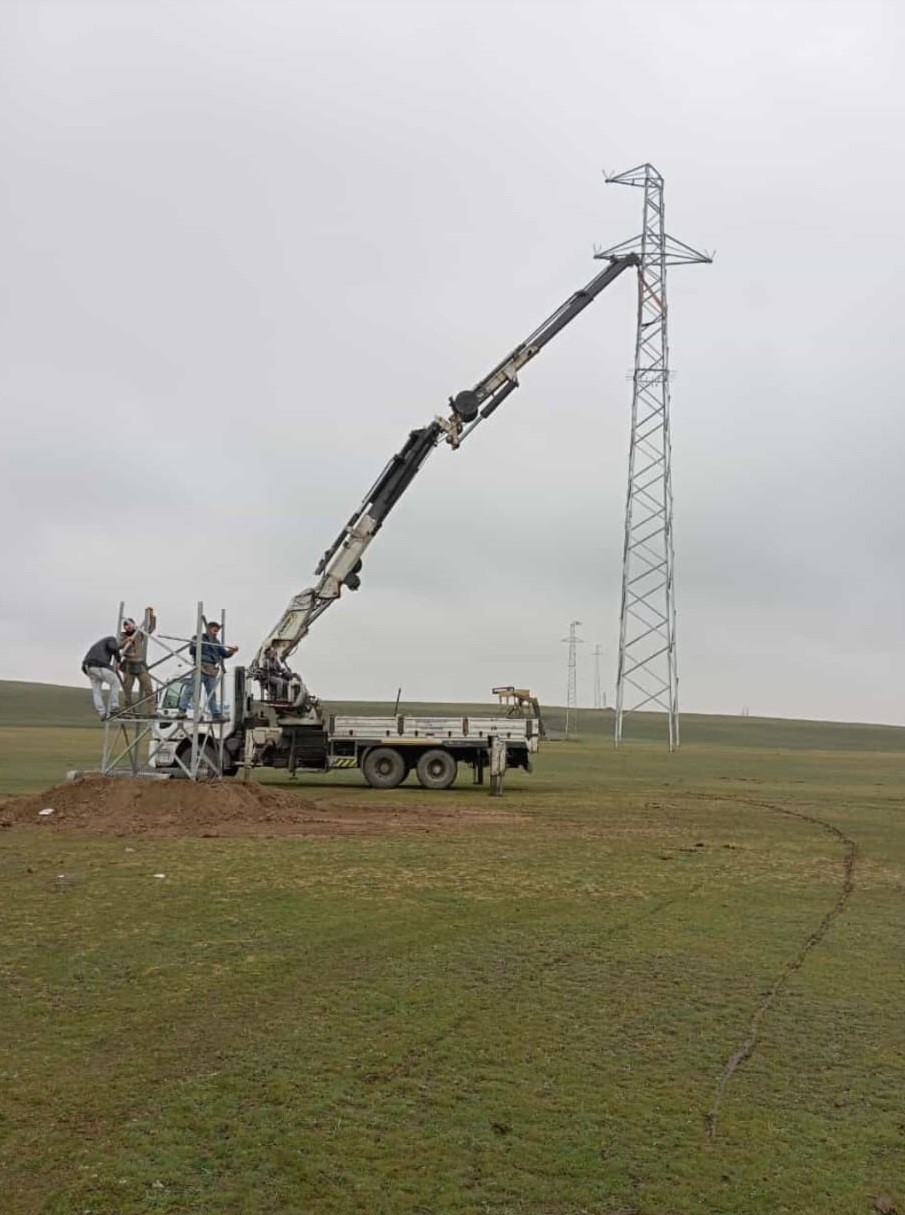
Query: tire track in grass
x,y
749,1043
416,1054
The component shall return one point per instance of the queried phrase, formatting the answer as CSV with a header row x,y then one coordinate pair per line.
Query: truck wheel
x,y
436,769
384,768
208,768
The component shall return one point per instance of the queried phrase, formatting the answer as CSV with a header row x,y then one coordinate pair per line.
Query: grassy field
x,y
655,984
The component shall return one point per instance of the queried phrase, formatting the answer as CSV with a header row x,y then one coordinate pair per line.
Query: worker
x,y
133,643
275,674
212,656
98,664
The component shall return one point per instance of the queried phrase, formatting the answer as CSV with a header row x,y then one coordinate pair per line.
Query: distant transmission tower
x,y
647,676
599,698
573,641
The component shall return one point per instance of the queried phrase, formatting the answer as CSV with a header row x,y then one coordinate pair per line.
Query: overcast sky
x,y
246,246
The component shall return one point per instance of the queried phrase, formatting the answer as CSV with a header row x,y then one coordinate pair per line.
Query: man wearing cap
x,y
133,642
212,655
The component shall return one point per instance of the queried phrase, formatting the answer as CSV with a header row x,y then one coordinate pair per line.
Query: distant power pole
x,y
573,641
599,698
647,676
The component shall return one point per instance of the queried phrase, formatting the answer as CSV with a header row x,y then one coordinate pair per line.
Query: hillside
x,y
37,704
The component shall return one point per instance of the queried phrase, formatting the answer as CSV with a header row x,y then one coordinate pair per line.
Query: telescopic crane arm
x,y
341,564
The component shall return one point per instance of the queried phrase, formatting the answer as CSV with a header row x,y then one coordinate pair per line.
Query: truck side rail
x,y
412,728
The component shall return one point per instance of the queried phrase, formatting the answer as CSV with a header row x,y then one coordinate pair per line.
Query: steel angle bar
x,y
643,553
646,620
647,436
652,516
654,631
655,698
222,700
650,616
128,748
651,690
650,695
200,628
646,497
651,466
646,627
632,245
179,654
645,539
678,253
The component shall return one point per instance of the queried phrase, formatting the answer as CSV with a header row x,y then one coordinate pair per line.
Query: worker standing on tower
x,y
133,642
98,664
212,656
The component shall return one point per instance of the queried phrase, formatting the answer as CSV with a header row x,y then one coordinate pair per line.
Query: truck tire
x,y
384,768
208,768
436,769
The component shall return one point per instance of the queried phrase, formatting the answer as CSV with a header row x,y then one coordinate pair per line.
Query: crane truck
x,y
284,725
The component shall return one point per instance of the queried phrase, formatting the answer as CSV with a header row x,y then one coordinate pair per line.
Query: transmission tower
x,y
573,641
599,699
647,676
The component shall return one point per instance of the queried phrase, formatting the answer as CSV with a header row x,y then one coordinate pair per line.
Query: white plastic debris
x,y
44,813
160,875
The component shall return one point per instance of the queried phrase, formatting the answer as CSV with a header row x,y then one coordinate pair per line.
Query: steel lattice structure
x,y
573,641
647,675
132,744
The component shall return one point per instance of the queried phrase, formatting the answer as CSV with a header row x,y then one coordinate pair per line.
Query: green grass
x,y
43,704
526,1018
34,758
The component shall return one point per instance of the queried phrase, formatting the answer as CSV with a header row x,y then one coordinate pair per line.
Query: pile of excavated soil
x,y
105,805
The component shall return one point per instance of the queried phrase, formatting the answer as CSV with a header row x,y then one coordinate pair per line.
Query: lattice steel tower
x,y
573,641
647,675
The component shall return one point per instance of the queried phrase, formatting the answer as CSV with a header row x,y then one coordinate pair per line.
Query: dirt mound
x,y
116,805
122,806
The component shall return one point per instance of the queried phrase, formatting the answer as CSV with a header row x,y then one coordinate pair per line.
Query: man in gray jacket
x,y
98,665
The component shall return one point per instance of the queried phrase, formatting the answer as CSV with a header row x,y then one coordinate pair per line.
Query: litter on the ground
x,y
45,812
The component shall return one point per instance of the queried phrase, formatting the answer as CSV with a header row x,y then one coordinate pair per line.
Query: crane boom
x,y
341,563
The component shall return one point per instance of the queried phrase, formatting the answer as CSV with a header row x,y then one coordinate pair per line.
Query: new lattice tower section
x,y
647,674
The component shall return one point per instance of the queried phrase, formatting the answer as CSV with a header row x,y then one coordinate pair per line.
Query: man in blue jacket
x,y
212,655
